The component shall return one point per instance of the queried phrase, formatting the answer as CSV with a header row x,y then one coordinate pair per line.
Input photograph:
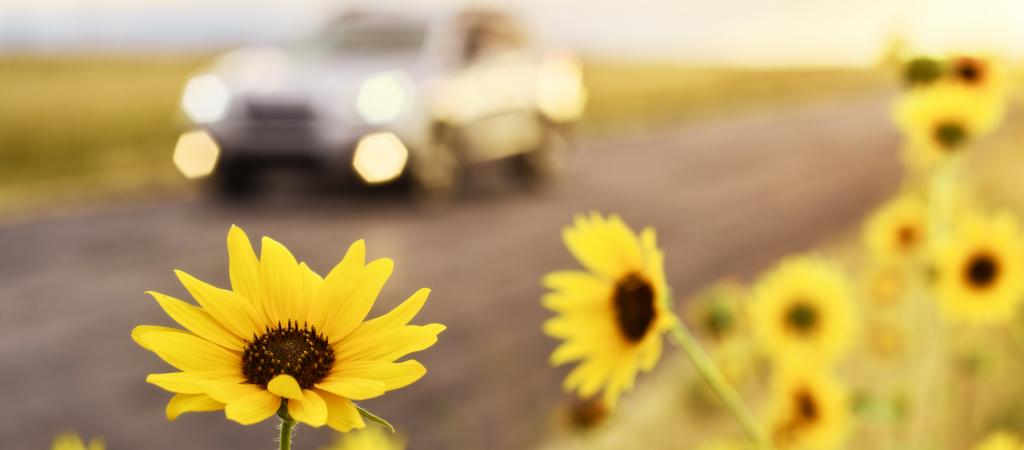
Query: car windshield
x,y
371,35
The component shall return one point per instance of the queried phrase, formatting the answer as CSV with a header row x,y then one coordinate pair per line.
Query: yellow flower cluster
x,y
804,317
942,117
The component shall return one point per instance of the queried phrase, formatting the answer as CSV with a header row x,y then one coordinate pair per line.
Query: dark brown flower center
x,y
907,236
719,321
634,306
806,407
585,414
805,414
969,70
801,317
288,350
982,270
950,134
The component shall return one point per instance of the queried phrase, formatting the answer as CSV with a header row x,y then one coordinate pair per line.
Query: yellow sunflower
x,y
979,269
373,438
802,309
285,338
716,313
942,119
982,74
72,441
886,339
885,283
613,315
810,409
898,230
1000,440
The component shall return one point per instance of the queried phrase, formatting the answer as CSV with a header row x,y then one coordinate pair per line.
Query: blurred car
x,y
379,97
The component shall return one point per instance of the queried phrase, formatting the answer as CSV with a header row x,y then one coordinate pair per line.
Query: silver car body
x,y
473,74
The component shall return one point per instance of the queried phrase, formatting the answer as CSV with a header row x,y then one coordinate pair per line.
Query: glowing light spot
x,y
382,98
561,95
206,99
380,157
196,154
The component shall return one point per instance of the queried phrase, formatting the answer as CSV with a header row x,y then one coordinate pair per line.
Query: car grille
x,y
279,111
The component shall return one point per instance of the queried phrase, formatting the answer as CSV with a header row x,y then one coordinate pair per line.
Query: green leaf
x,y
375,419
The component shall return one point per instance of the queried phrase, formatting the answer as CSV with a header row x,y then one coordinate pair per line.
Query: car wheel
x,y
544,162
235,180
438,174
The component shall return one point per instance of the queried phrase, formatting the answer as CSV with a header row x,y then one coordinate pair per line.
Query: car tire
x,y
544,162
235,180
438,173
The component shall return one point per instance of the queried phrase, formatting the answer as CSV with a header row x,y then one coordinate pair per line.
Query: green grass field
x,y
76,125
639,94
73,126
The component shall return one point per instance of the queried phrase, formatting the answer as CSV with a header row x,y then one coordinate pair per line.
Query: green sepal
x,y
375,419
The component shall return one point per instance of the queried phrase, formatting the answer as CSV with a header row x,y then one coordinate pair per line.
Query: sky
x,y
747,32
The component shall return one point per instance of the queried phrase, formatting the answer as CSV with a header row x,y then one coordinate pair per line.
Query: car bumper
x,y
327,150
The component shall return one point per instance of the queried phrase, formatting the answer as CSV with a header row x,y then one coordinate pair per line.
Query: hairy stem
x,y
287,426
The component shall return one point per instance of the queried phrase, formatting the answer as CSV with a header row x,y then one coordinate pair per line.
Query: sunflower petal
x,y
252,408
281,278
311,281
624,242
353,388
342,414
309,408
183,403
400,316
228,308
348,314
285,386
227,392
141,330
338,285
189,353
390,345
568,352
393,375
243,267
191,382
196,320
580,239
574,289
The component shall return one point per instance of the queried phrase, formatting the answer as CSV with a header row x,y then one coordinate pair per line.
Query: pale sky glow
x,y
755,32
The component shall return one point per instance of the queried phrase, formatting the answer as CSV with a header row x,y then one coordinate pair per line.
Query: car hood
x,y
275,74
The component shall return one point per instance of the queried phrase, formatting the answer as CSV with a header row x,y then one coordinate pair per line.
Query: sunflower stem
x,y
941,192
713,376
287,427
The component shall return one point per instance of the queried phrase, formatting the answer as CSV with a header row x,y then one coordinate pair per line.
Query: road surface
x,y
726,196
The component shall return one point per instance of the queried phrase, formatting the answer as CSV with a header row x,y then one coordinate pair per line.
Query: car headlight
x,y
196,154
379,157
382,98
561,95
206,99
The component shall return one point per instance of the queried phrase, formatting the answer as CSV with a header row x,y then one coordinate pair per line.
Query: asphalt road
x,y
727,197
